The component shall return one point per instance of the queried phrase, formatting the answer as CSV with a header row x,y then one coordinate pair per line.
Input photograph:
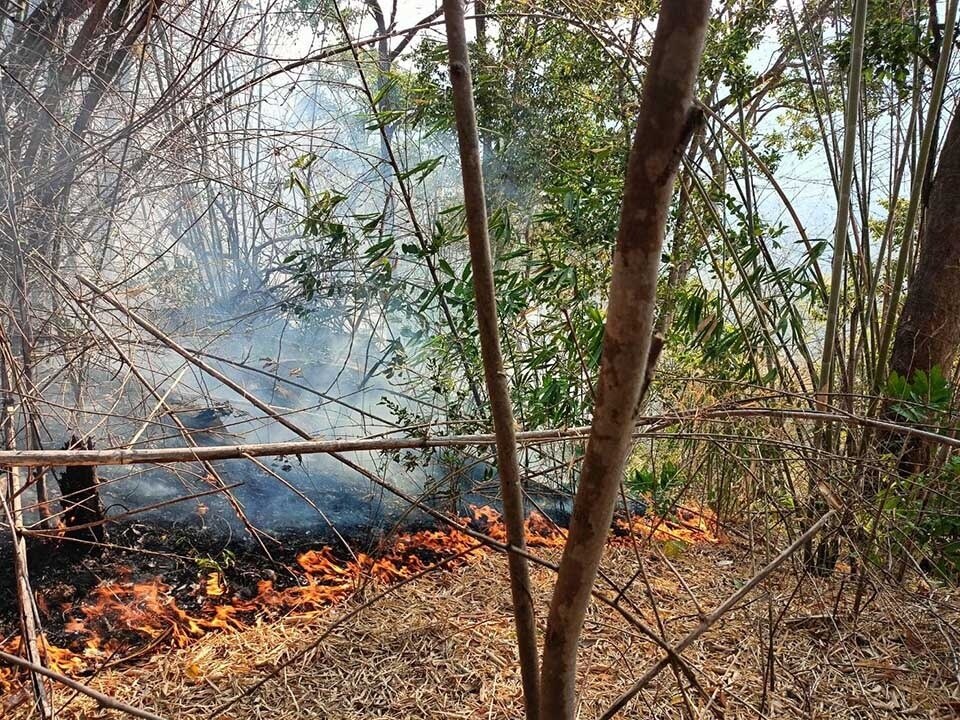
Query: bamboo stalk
x,y
498,389
28,623
843,205
12,503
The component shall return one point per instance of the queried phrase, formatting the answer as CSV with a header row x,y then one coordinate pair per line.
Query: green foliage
x,y
733,36
924,509
661,486
924,513
343,262
226,560
556,120
546,107
892,44
330,244
921,399
556,115
557,99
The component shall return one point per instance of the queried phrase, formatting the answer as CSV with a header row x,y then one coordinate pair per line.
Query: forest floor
x,y
442,647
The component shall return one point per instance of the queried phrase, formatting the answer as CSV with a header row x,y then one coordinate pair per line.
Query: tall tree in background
x,y
667,121
928,332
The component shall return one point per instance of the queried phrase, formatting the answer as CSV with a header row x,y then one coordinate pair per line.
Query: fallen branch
x,y
123,456
321,446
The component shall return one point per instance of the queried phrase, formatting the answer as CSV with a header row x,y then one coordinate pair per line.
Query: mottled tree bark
x,y
928,332
667,121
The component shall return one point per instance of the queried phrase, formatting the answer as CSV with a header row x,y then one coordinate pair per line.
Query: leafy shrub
x,y
661,487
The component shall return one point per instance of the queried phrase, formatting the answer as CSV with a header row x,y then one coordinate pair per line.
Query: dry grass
x,y
442,648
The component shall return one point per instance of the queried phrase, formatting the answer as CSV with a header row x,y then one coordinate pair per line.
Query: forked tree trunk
x,y
498,388
667,120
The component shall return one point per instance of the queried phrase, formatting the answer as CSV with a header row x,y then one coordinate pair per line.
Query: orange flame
x,y
124,618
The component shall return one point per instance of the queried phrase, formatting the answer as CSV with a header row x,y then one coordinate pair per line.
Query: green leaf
x,y
445,267
421,170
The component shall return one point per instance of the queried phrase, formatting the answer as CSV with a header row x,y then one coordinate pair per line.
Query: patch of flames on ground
x,y
123,619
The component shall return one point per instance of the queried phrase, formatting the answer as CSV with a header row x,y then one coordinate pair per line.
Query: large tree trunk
x,y
928,333
667,120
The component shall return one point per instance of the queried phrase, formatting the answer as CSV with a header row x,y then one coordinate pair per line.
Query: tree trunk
x,y
928,332
488,326
667,121
25,383
83,514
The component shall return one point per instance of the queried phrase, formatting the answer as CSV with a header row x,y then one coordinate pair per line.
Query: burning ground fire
x,y
127,618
